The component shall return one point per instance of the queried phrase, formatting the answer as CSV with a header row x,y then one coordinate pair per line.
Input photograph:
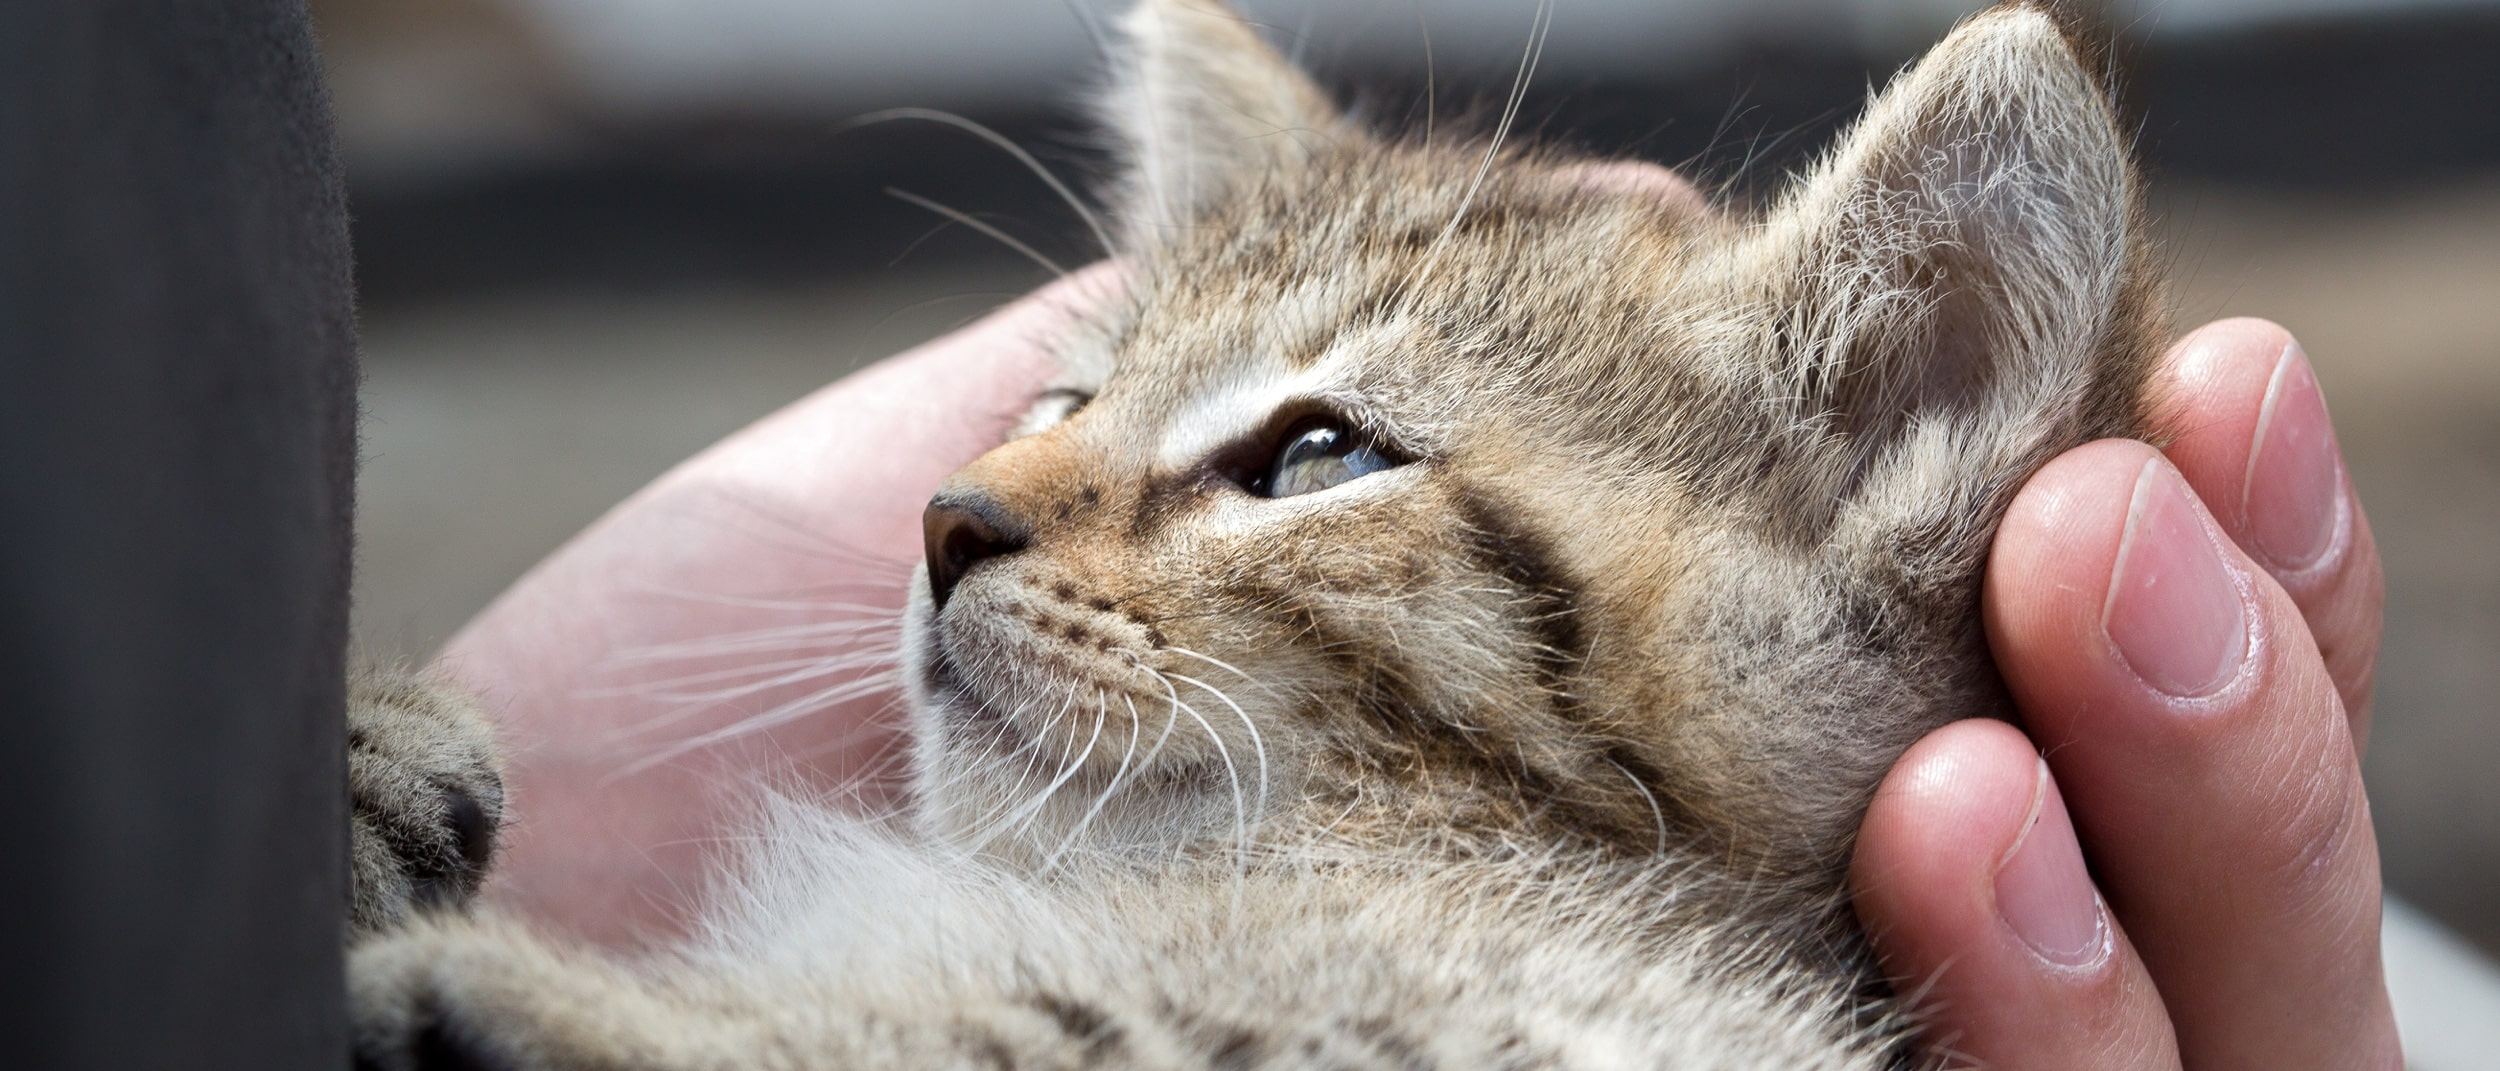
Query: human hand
x,y
2190,636
645,672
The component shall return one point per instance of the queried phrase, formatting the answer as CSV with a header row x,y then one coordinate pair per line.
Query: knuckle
x,y
2303,860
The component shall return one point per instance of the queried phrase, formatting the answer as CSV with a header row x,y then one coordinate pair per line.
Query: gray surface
x,y
2447,996
682,54
2393,302
494,431
498,430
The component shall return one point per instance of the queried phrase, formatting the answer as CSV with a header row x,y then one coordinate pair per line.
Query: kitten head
x,y
1463,489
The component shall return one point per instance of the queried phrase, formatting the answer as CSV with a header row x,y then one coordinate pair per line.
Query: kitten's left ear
x,y
1969,253
1204,107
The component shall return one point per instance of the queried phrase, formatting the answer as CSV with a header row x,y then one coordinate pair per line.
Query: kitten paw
x,y
427,795
407,1009
470,993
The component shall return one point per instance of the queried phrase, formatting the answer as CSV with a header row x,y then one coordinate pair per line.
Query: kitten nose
x,y
961,528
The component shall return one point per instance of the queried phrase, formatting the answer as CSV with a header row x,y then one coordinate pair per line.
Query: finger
x,y
2254,440
857,461
2184,708
1968,879
1639,178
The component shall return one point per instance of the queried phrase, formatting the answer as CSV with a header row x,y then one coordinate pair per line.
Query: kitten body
x,y
1523,720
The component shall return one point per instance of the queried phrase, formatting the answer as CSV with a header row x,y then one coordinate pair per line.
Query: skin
x,y
2237,897
784,510
2228,830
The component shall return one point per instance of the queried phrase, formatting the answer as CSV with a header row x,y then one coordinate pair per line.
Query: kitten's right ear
x,y
1203,107
1969,256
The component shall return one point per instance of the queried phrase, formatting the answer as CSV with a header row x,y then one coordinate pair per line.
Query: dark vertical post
x,y
176,454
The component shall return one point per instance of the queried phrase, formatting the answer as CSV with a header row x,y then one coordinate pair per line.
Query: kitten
x,y
1452,613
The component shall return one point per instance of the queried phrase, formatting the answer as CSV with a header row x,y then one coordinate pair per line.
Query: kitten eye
x,y
1052,409
1319,454
1062,402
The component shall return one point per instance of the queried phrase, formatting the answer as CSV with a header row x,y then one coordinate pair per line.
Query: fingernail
x,y
2043,892
2293,491
2173,609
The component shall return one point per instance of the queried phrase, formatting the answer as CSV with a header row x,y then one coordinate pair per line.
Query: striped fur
x,y
1543,748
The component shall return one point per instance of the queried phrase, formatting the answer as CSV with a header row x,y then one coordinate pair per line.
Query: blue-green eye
x,y
1319,454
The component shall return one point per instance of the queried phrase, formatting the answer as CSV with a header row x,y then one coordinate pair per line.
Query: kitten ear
x,y
1966,251
1203,106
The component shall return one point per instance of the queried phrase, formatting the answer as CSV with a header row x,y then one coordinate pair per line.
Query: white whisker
x,y
1068,770
1003,737
1257,743
855,610
1656,814
1004,144
1232,773
1135,730
1537,29
986,230
811,703
785,671
1217,663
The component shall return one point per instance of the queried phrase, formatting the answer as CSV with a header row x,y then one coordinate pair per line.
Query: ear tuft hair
x,y
1203,107
1967,254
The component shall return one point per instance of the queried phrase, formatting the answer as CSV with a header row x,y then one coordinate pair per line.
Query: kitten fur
x,y
1542,747
425,795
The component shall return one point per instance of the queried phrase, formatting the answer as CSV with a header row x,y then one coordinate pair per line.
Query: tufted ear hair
x,y
1967,260
1203,107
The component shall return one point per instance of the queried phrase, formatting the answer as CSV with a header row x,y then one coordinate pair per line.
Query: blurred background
x,y
595,235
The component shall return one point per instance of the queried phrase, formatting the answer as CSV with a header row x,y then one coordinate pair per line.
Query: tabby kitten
x,y
1452,613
